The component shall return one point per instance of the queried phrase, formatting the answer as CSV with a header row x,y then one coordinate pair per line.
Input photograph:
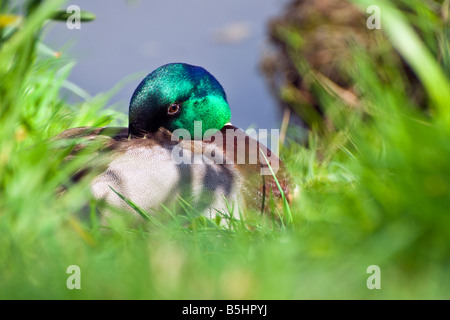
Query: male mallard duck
x,y
162,157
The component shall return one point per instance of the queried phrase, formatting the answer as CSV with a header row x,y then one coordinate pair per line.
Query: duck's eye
x,y
173,109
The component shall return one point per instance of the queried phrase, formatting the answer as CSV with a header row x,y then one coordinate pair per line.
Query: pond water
x,y
227,38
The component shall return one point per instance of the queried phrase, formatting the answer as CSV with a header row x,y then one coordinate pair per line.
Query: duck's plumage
x,y
147,169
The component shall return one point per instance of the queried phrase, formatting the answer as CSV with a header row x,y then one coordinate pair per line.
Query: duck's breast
x,y
168,174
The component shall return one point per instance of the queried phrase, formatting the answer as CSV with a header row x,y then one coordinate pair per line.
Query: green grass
x,y
375,192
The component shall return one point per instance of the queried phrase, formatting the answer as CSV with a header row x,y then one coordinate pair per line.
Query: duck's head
x,y
174,96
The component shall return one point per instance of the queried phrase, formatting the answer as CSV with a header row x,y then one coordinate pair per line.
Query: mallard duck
x,y
180,144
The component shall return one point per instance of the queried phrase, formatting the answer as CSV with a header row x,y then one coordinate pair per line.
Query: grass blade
x,y
285,202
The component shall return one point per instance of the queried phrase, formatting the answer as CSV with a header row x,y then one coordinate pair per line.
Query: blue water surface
x,y
228,38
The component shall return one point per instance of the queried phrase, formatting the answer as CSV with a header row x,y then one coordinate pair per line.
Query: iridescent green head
x,y
174,96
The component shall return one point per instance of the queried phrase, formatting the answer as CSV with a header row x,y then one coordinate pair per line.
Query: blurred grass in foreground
x,y
375,191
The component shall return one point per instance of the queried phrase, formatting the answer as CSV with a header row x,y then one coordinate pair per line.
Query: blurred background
x,y
228,38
